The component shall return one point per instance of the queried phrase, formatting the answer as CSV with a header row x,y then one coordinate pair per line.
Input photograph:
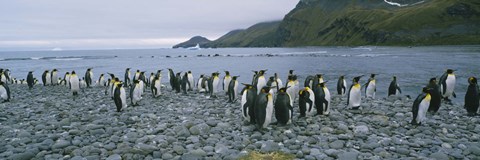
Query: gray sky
x,y
99,24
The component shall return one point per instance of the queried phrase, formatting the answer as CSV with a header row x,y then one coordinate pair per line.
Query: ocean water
x,y
412,66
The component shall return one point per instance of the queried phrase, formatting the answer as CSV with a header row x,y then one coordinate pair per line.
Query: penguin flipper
x,y
399,89
454,95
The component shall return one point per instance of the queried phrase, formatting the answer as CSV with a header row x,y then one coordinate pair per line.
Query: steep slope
x,y
261,34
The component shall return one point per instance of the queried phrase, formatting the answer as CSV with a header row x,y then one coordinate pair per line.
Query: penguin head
x,y
342,77
271,78
248,86
394,78
322,84
67,73
356,79
472,80
151,73
128,69
372,75
262,72
116,79
46,71
101,75
119,84
319,76
433,80
265,89
73,72
426,90
201,76
54,70
282,90
290,71
89,69
227,73
235,77
450,71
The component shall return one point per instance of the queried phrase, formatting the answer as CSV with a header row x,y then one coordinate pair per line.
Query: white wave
x,y
364,48
371,55
67,59
36,58
395,3
302,53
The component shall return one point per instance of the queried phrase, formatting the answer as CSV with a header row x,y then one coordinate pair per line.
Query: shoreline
x,y
46,123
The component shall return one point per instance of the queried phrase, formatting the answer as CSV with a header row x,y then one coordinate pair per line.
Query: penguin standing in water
x,y
185,83
291,88
394,88
177,82
4,91
420,106
127,77
74,83
46,78
306,101
30,80
354,99
54,77
260,80
263,108
101,81
232,89
191,83
156,85
226,81
120,97
283,107
322,99
472,97
370,87
89,77
249,93
341,86
436,95
447,85
135,92
171,78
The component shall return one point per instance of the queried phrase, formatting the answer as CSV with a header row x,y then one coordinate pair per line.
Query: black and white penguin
x,y
156,86
249,93
66,77
354,99
200,85
420,106
341,86
291,88
191,82
74,83
54,77
171,78
89,77
178,82
30,80
46,78
283,107
447,85
226,81
184,83
232,89
4,91
3,77
150,79
472,97
120,97
254,78
135,92
278,81
309,81
101,81
136,76
394,88
260,80
127,78
322,99
213,84
318,79
306,101
370,87
263,108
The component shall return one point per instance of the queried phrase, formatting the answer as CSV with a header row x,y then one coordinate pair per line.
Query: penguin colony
x,y
259,100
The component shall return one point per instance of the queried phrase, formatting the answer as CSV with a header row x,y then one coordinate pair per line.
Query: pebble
x,y
114,157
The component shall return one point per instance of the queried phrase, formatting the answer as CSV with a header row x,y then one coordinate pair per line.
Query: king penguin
x,y
185,83
135,92
156,86
67,79
226,81
394,88
74,83
89,77
447,85
54,77
354,99
200,84
232,89
120,97
306,101
150,79
136,76
370,87
420,106
341,86
127,77
46,78
322,99
260,80
191,83
291,88
283,107
171,78
30,80
177,82
249,93
213,84
263,108
4,91
309,81
472,97
101,81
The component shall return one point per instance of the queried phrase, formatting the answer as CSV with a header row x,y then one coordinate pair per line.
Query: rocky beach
x,y
48,123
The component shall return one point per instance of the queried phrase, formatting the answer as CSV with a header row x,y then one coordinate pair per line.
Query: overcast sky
x,y
87,24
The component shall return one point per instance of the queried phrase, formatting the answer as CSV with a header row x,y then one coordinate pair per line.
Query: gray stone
x,y
182,131
439,156
200,129
269,146
61,144
332,152
348,156
78,158
114,157
198,152
145,148
97,132
314,151
23,156
167,156
403,151
178,149
338,144
475,150
110,146
157,154
446,145
361,129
